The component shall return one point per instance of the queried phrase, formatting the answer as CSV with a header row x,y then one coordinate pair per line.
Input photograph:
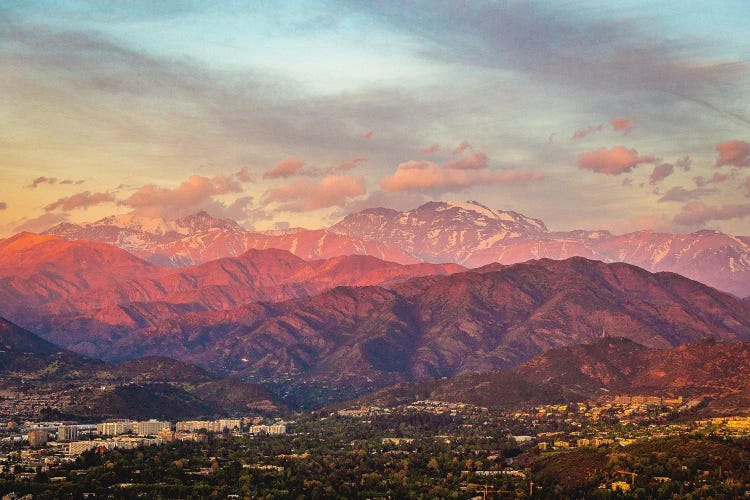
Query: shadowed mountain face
x,y
716,372
348,340
139,388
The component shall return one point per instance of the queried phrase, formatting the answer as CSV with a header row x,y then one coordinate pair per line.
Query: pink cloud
x,y
475,161
195,191
613,161
661,172
746,186
53,180
347,165
3,205
244,175
42,180
307,194
426,176
684,163
718,177
621,123
430,149
368,135
463,146
285,168
697,212
84,200
583,132
735,153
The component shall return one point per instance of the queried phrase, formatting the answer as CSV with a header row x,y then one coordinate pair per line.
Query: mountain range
x,y
337,341
473,235
199,238
465,233
322,329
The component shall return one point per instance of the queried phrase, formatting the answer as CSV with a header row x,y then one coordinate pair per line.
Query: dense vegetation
x,y
336,457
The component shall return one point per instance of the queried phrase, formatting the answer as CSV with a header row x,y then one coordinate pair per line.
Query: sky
x,y
621,115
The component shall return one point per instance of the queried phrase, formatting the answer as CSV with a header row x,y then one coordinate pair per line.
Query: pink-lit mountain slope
x,y
201,238
473,235
44,276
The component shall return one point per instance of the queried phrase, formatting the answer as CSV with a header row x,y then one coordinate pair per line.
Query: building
x,y
79,447
229,424
150,427
67,433
114,428
277,429
38,437
192,425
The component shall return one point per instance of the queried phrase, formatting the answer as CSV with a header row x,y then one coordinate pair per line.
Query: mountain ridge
x,y
466,233
365,337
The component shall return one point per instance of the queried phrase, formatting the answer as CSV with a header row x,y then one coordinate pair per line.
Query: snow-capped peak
x,y
142,223
471,206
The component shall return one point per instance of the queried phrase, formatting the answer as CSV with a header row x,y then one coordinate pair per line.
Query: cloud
x,y
244,175
41,223
680,194
285,168
42,180
475,161
613,161
697,213
368,135
379,198
191,194
621,124
684,163
746,186
463,146
735,153
661,172
241,210
53,180
433,148
84,200
427,176
347,165
718,177
551,44
3,205
308,194
583,132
